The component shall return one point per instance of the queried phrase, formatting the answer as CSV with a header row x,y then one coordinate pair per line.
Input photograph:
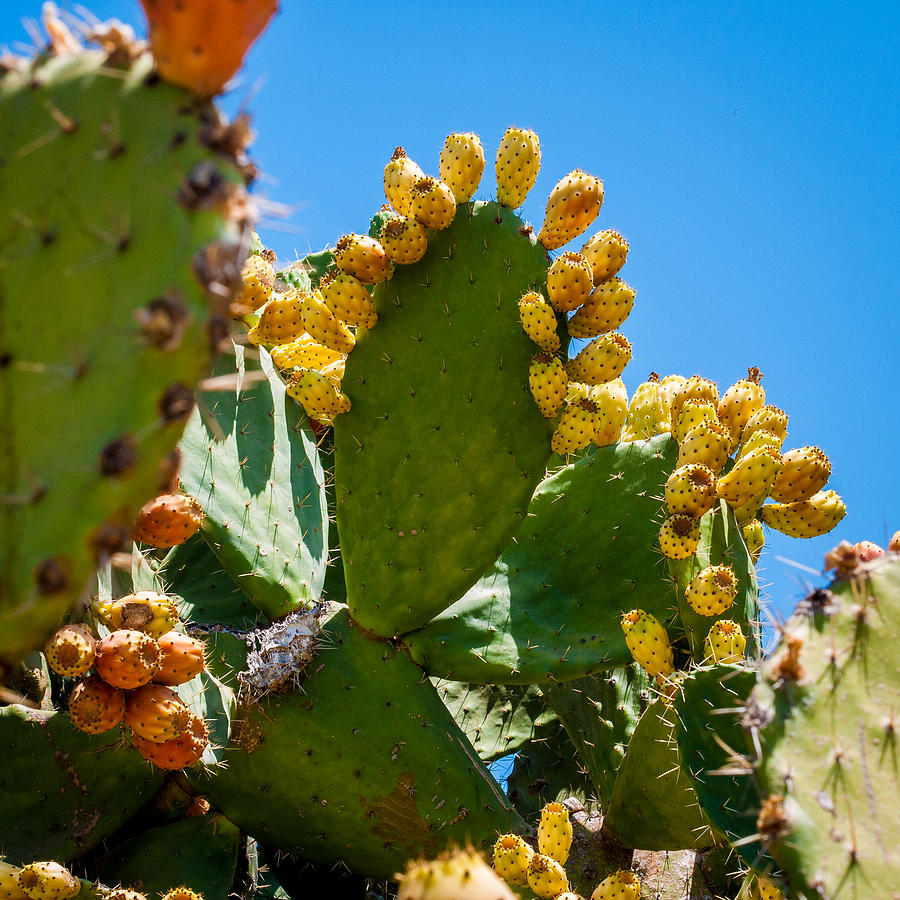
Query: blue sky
x,y
749,153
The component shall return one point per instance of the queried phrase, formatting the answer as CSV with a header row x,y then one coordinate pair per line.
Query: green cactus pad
x,y
250,458
551,603
364,764
63,791
437,459
110,196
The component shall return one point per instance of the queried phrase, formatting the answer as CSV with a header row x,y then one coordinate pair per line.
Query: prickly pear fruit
x,y
692,413
433,203
181,751
694,388
805,471
348,298
547,381
866,551
606,252
404,240
364,258
805,518
201,44
767,418
740,401
258,280
679,536
754,538
319,395
611,400
760,438
400,174
645,417
546,877
725,642
712,590
569,282
455,875
167,520
9,883
126,658
555,832
70,650
568,895
280,321
124,893
691,490
156,713
621,885
511,857
764,889
707,443
48,881
648,642
180,658
323,325
462,164
181,893
304,352
894,542
573,204
668,388
608,306
577,427
751,476
539,321
146,611
517,166
95,706
603,359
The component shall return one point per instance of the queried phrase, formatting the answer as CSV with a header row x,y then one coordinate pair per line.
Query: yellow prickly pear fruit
x,y
9,883
182,893
602,360
765,890
335,370
648,642
707,443
539,321
740,401
569,282
348,298
611,400
576,429
691,490
573,204
679,536
306,352
621,885
767,418
517,167
48,881
712,590
70,650
668,387
725,642
748,511
319,395
257,282
462,164
695,388
323,325
754,538
645,412
433,203
761,438
546,877
511,858
752,476
806,518
400,174
693,412
148,611
404,240
606,251
608,306
364,258
806,471
280,320
568,895
555,832
547,381
456,875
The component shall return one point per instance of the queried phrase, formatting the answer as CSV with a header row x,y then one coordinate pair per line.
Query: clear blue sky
x,y
749,153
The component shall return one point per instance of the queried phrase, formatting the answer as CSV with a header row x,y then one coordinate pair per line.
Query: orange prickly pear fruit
x,y
323,325
48,881
258,281
894,542
611,400
691,490
648,642
433,203
679,536
576,429
156,713
761,438
603,359
767,418
539,321
754,538
319,395
695,388
569,282
462,164
608,306
806,471
70,650
645,412
181,751
555,832
546,877
573,204
167,520
693,412
805,518
180,658
454,875
146,611
606,252
305,352
712,590
740,401
517,167
547,381
95,706
751,477
511,858
279,321
707,443
364,258
400,174
201,44
404,240
621,885
126,658
348,298
725,642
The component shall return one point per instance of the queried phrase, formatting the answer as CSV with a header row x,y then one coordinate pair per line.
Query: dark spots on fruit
x,y
118,456
163,321
52,575
176,403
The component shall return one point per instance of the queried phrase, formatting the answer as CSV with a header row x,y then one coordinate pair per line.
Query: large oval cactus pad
x,y
437,459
